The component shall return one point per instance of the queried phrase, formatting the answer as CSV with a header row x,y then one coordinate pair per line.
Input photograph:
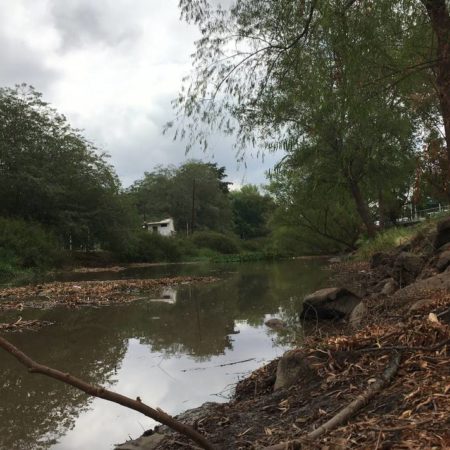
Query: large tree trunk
x,y
440,21
361,207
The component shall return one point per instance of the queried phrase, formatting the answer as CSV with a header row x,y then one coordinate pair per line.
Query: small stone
x,y
293,368
420,304
275,324
143,443
389,287
358,314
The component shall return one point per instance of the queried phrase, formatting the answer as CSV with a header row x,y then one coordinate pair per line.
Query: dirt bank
x,y
406,298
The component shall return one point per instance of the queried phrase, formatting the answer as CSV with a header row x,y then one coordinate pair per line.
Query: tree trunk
x,y
362,208
440,22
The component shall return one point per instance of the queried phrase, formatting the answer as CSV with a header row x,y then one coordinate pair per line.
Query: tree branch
x,y
347,412
106,394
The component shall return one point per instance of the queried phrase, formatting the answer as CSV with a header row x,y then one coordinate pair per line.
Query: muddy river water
x,y
175,350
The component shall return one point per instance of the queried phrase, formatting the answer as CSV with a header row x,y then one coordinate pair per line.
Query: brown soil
x,y
413,411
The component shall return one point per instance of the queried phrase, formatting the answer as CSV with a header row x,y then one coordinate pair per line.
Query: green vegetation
x,y
24,246
385,241
354,93
194,194
61,203
391,238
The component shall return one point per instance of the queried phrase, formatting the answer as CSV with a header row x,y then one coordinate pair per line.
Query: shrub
x,y
148,247
217,242
385,241
27,245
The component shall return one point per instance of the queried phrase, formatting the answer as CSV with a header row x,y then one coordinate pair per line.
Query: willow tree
x,y
305,77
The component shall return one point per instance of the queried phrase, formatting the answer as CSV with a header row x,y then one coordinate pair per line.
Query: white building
x,y
163,227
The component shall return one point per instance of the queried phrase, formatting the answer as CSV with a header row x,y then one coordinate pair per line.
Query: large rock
x,y
407,267
294,368
443,233
443,261
389,287
421,289
380,259
329,303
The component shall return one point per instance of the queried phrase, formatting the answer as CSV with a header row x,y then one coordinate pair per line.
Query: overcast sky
x,y
112,67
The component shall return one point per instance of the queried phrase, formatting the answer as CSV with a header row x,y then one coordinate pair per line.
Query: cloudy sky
x,y
112,67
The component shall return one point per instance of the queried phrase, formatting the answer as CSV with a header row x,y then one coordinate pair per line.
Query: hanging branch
x,y
344,414
96,391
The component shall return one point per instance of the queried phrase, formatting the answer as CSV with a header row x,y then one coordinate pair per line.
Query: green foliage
x,y
194,191
214,241
27,245
51,174
150,247
384,241
251,212
345,90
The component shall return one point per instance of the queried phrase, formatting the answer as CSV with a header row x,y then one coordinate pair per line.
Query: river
x,y
176,351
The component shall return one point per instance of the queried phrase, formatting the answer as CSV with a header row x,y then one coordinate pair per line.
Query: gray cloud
x,y
112,67
82,23
22,64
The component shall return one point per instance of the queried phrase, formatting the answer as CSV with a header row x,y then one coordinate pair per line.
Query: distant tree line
x,y
59,194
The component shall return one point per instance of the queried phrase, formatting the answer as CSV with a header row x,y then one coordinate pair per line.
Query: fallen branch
x,y
106,394
402,348
347,412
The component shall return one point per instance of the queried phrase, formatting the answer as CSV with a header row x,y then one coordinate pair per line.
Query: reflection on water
x,y
174,352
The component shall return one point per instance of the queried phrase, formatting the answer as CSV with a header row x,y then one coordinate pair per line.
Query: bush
x,y
385,241
27,245
217,242
148,247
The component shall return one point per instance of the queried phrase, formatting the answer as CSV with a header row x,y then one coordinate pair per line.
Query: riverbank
x,y
405,317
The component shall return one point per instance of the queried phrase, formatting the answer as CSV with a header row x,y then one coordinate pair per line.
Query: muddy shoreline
x,y
406,299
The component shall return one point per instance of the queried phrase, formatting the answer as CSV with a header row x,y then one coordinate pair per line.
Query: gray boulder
x,y
443,233
389,287
407,267
421,289
329,303
380,259
443,261
294,368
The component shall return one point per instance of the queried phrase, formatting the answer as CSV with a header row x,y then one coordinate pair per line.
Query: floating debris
x,y
88,293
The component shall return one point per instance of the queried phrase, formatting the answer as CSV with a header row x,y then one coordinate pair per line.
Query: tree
x,y
304,76
51,174
316,210
438,12
194,194
251,212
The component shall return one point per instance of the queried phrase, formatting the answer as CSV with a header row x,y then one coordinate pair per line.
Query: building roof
x,y
161,222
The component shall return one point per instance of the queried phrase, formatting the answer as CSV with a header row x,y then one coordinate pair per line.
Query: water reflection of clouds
x,y
169,384
176,362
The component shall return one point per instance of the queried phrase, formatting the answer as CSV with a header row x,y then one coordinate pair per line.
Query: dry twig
x,y
349,410
106,394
